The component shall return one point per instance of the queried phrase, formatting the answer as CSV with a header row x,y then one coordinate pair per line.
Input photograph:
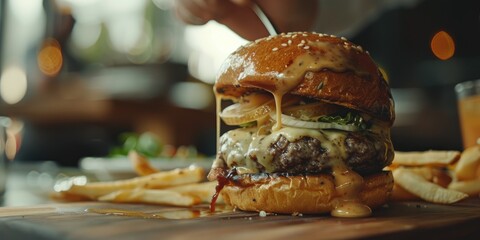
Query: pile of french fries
x,y
436,176
179,187
467,172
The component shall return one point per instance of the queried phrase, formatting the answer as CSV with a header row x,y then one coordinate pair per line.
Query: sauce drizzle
x,y
348,185
278,109
221,182
218,104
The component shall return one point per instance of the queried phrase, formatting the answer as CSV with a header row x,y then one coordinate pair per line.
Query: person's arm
x,y
286,15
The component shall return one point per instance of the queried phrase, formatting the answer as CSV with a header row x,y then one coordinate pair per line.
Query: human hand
x,y
239,17
199,12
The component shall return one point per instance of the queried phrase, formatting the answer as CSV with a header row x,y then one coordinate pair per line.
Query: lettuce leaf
x,y
349,118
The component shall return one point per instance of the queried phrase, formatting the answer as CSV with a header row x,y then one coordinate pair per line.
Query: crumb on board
x,y
262,214
297,214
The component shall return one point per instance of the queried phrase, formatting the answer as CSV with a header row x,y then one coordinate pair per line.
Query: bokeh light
x,y
50,59
442,45
13,84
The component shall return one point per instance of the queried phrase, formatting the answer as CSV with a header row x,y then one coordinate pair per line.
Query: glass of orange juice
x,y
468,94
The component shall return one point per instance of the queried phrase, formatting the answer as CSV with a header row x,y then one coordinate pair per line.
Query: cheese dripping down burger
x,y
313,113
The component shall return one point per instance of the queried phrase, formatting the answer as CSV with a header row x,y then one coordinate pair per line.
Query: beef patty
x,y
365,154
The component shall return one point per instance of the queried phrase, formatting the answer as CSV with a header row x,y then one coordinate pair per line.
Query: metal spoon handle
x,y
264,19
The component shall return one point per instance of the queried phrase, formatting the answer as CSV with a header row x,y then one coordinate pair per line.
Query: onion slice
x,y
245,112
253,108
294,122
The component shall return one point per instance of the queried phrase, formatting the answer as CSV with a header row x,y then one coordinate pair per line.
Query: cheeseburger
x,y
311,115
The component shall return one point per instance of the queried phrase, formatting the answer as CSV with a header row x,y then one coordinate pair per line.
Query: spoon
x,y
264,19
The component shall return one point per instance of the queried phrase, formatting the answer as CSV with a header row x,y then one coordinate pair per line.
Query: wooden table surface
x,y
95,220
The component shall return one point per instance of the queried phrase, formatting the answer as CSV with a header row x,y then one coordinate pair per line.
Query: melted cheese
x,y
351,209
245,148
326,56
348,185
278,105
218,104
236,144
323,55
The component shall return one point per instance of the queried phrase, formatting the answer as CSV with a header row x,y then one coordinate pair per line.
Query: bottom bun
x,y
301,194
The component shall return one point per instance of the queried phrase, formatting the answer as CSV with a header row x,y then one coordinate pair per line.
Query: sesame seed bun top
x,y
318,66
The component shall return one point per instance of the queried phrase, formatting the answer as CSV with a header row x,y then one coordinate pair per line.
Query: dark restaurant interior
x,y
77,77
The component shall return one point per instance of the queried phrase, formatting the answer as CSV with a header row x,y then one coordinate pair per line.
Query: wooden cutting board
x,y
94,220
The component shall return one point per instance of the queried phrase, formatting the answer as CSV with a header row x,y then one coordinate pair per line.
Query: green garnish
x,y
348,119
146,144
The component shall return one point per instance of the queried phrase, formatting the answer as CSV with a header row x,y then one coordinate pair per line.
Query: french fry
x,y
204,191
154,181
470,187
186,195
468,166
140,164
400,194
426,172
154,196
419,186
426,158
433,174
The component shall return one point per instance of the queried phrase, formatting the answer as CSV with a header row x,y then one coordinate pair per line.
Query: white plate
x,y
107,169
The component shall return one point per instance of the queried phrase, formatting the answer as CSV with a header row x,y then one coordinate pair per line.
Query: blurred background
x,y
80,77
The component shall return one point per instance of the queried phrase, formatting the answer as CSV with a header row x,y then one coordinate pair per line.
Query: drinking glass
x,y
468,95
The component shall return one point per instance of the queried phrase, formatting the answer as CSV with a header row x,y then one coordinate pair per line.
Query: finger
x,y
242,2
190,12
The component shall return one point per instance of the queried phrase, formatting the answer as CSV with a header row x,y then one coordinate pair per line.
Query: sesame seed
x,y
300,45
360,48
333,36
303,41
284,44
262,214
306,47
343,38
305,35
274,49
309,75
289,42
